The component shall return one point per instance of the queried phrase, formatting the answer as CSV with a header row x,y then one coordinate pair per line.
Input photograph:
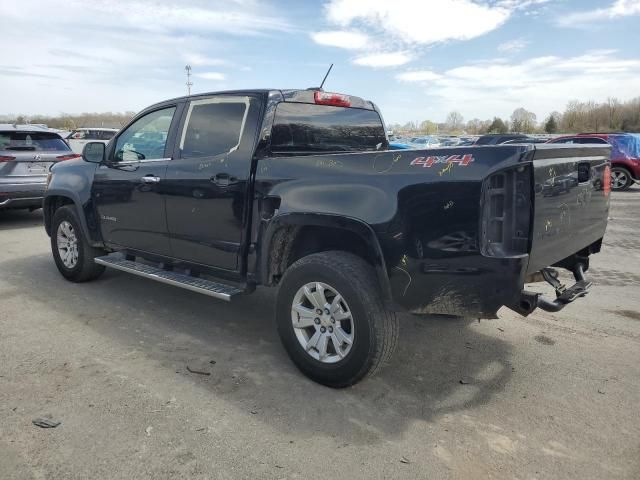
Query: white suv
x,y
80,136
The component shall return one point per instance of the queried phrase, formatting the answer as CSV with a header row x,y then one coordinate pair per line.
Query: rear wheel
x,y
332,320
620,178
71,251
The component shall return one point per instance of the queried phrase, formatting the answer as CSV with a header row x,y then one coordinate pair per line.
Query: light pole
x,y
189,82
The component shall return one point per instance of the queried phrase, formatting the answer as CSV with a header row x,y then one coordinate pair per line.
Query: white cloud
x,y
513,46
418,76
377,60
424,22
341,39
198,60
409,25
619,8
540,84
210,75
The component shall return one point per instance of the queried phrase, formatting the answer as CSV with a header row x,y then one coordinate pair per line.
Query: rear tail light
x,y
69,156
6,158
333,99
506,213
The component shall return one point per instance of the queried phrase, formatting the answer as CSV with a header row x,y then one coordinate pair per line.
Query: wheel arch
x,y
291,236
57,199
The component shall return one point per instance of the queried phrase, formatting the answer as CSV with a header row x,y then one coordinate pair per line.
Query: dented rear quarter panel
x,y
424,208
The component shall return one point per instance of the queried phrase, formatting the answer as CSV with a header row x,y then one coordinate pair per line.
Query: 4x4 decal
x,y
462,160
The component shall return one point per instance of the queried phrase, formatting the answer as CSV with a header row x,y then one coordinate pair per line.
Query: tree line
x,y
609,116
67,121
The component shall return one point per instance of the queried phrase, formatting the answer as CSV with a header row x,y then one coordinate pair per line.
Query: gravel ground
x,y
548,396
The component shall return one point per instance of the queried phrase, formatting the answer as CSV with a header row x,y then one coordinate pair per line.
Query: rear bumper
x,y
21,195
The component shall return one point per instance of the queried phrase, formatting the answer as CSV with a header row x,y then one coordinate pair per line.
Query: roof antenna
x,y
325,77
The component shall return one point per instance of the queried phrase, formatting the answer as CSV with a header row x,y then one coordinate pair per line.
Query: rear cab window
x,y
310,128
32,141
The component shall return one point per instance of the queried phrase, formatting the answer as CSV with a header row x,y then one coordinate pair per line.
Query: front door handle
x,y
150,179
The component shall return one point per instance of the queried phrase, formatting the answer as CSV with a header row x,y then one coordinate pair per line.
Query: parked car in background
x,y
79,137
499,138
424,142
525,140
625,154
26,153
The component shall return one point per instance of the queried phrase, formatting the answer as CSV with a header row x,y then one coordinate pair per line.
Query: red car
x,y
625,154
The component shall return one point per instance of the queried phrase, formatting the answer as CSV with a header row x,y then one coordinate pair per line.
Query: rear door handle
x,y
150,179
223,179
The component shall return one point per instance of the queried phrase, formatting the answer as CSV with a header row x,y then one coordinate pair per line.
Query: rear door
x,y
127,191
571,204
206,185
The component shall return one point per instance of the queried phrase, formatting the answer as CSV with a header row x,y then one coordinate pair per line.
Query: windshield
x,y
302,127
32,141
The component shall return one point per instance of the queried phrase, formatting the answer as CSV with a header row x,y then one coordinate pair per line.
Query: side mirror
x,y
94,152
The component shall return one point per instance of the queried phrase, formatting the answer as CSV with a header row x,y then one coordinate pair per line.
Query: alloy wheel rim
x,y
322,322
67,244
618,179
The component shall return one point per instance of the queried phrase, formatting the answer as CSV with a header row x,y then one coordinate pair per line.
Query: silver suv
x,y
26,153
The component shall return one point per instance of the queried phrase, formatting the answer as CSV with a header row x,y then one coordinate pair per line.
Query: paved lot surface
x,y
549,396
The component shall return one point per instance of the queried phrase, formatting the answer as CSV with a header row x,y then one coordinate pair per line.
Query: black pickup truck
x,y
219,193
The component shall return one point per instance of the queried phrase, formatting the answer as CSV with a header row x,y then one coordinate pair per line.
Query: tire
x,y
373,330
620,179
84,268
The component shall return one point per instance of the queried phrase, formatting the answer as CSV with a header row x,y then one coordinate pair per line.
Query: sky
x,y
416,59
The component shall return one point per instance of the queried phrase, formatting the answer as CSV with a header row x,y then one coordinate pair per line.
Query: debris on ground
x,y
501,329
148,431
465,381
404,460
199,372
44,422
213,362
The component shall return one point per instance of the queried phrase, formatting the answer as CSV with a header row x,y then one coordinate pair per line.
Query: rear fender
x,y
295,221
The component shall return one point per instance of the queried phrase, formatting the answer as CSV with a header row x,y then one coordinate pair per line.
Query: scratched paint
x,y
447,169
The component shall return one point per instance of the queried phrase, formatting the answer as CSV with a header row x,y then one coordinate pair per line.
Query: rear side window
x,y
213,126
105,134
590,140
302,127
32,141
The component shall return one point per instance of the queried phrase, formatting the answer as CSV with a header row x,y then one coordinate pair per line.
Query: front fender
x,y
72,180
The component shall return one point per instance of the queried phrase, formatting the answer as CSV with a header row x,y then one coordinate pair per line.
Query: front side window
x,y
146,138
302,127
213,126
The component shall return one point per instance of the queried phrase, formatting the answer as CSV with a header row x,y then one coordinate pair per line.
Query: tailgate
x,y
571,201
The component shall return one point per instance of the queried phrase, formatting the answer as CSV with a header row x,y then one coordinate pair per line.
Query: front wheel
x,y
620,178
332,320
71,250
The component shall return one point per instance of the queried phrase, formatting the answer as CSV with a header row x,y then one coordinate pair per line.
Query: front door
x,y
206,184
127,189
